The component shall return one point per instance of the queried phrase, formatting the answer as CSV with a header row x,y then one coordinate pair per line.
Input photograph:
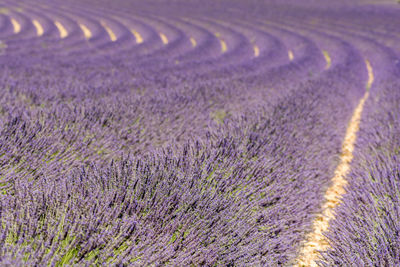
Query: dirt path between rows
x,y
315,240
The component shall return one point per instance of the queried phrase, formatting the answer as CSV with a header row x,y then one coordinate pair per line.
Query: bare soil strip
x,y
164,38
224,47
256,51
193,41
138,37
290,55
86,31
39,28
61,29
327,59
110,33
16,25
316,241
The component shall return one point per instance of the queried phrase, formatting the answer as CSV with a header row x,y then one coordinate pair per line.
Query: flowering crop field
x,y
199,133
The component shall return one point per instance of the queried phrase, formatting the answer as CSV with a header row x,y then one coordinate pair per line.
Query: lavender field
x,y
199,133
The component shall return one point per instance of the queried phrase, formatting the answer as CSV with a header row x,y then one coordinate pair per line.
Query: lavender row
x,y
243,164
365,231
235,197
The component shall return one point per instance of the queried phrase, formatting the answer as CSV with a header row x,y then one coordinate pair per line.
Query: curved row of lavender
x,y
118,153
366,229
